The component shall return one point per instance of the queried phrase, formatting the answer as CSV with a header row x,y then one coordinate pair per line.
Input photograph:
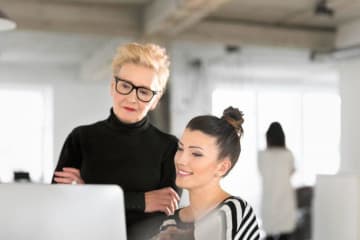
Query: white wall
x,y
190,90
252,67
78,103
350,131
337,208
75,102
338,195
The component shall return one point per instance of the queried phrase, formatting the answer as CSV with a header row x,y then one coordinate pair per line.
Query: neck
x,y
118,124
205,199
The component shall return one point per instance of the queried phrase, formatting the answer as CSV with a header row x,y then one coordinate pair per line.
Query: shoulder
x,y
275,151
284,153
288,152
162,136
235,205
87,128
261,153
268,152
240,218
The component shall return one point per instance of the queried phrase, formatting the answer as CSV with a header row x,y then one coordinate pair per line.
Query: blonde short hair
x,y
148,55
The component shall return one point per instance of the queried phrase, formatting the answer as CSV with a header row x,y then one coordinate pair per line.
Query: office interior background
x,y
295,62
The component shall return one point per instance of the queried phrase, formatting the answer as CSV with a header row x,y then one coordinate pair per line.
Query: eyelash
x,y
180,149
197,154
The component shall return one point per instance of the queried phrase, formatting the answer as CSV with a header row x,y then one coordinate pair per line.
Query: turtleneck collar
x,y
115,123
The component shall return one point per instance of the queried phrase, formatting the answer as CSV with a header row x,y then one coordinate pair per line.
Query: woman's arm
x,y
166,198
168,172
69,163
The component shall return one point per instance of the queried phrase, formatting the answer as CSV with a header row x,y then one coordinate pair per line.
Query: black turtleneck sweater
x,y
138,157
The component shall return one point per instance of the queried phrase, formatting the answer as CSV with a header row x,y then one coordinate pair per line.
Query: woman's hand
x,y
173,233
68,176
162,200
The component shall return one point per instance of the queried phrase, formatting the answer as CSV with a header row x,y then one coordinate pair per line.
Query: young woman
x,y
276,166
126,149
207,151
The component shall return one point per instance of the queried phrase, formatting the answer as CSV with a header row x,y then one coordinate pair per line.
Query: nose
x,y
180,158
132,95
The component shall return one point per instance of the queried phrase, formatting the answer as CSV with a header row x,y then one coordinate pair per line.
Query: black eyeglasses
x,y
125,88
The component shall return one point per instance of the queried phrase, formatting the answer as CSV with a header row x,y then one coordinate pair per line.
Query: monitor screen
x,y
61,212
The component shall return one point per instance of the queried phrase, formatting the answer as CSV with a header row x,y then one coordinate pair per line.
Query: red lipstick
x,y
129,109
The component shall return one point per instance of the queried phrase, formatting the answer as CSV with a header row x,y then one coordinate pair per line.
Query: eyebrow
x,y
197,147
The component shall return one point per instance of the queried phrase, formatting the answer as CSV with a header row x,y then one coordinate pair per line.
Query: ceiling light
x,y
322,8
6,23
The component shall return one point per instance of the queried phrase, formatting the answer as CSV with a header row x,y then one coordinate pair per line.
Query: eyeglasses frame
x,y
117,79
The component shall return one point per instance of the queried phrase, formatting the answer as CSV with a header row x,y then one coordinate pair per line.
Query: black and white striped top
x,y
233,219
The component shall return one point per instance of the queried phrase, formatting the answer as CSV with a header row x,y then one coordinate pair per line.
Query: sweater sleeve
x,y
70,155
168,172
136,200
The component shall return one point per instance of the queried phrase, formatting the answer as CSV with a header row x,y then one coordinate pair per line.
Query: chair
x,y
304,196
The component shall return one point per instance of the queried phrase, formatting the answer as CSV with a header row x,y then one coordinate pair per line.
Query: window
x,y
26,135
311,122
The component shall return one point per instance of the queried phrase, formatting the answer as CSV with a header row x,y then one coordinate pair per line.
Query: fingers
x,y
172,205
65,175
76,173
165,207
163,200
63,180
72,170
168,193
68,176
173,199
173,193
168,212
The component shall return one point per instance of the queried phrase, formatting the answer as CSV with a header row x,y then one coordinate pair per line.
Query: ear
x,y
223,167
155,101
112,88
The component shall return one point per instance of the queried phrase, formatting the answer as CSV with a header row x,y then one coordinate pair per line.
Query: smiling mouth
x,y
182,173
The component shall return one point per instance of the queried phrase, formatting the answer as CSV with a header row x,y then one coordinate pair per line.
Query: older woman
x,y
207,151
126,149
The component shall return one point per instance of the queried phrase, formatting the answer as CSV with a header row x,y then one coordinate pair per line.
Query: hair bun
x,y
235,118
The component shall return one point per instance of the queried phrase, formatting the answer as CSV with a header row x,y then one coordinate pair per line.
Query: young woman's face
x,y
196,161
128,108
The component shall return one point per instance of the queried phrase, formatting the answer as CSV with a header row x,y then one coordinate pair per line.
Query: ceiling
x,y
229,21
70,30
291,13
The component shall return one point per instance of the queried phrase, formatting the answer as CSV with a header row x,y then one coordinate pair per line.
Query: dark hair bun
x,y
235,118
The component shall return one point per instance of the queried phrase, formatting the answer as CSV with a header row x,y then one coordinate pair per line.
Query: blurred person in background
x,y
278,205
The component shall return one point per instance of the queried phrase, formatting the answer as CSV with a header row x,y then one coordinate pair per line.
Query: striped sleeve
x,y
239,220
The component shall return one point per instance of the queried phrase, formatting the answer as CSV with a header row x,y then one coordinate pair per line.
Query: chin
x,y
184,185
180,184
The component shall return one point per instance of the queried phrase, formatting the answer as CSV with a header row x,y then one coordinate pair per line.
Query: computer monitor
x,y
61,212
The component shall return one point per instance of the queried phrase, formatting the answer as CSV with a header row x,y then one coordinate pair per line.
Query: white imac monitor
x,y
61,212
